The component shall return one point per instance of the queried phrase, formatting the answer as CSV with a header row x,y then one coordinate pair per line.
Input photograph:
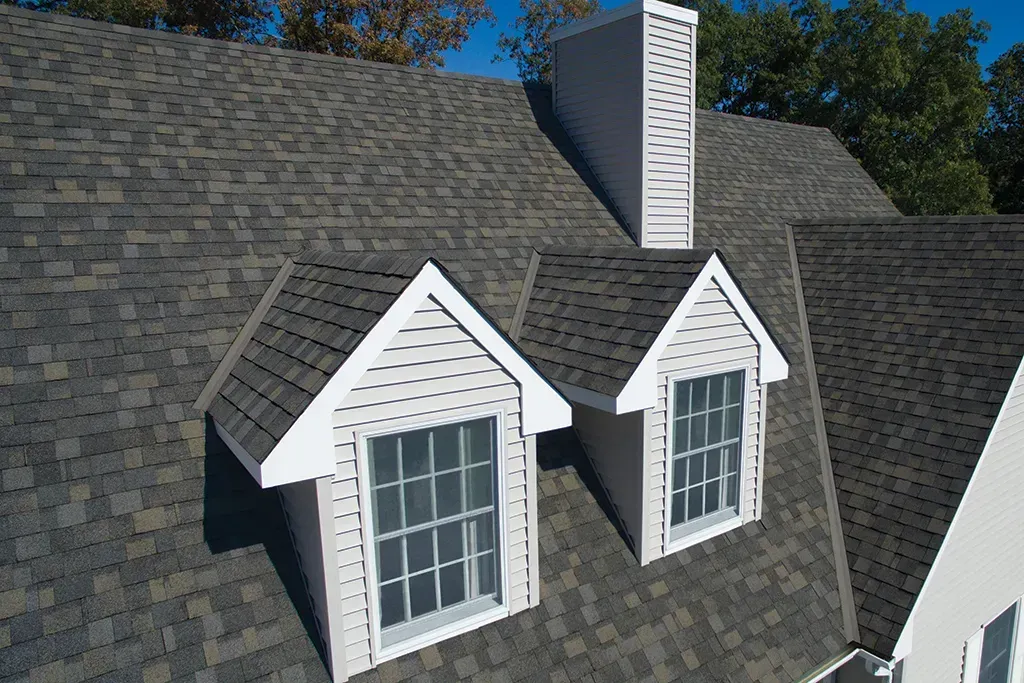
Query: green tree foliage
x,y
410,32
1002,143
529,46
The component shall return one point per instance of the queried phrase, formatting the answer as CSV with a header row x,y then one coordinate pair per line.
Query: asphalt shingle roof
x,y
917,327
150,188
593,312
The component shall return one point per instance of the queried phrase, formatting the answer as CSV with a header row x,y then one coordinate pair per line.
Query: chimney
x,y
624,90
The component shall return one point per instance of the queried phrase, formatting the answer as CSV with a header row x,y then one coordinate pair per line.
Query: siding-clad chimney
x,y
624,88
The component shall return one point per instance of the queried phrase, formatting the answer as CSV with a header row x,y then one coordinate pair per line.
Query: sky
x,y
1005,16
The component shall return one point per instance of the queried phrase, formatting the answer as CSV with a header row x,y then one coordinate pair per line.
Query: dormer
x,y
667,366
398,424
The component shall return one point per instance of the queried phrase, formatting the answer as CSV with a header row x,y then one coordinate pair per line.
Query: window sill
x,y
692,539
421,641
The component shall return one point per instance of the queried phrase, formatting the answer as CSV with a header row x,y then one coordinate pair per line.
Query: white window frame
x,y
701,535
378,652
972,673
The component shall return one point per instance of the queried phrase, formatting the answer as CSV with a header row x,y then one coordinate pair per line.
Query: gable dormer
x,y
624,90
398,424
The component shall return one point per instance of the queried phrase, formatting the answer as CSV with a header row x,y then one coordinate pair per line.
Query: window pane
x,y
711,497
419,549
386,510
679,474
392,604
732,489
389,559
696,468
733,382
449,542
679,508
695,503
383,459
449,494
478,487
482,529
681,438
446,447
415,454
700,395
453,586
417,502
478,440
997,647
698,432
422,594
732,459
715,426
714,463
484,574
732,423
717,392
682,398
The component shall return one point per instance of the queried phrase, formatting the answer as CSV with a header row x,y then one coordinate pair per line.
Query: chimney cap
x,y
655,7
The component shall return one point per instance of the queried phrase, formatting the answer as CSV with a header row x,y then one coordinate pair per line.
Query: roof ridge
x,y
905,220
179,38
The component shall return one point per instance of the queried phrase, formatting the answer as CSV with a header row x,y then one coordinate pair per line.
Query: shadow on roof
x,y
238,514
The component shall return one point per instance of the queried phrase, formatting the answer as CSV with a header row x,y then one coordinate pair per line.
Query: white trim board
x,y
641,390
660,9
306,451
905,643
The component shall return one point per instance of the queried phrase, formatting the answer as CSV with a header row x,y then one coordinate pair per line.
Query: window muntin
x,y
997,648
706,435
434,494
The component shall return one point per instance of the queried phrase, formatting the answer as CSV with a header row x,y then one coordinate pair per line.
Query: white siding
x,y
669,105
301,512
978,572
615,446
598,93
712,339
431,370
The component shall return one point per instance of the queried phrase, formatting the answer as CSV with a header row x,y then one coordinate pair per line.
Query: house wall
x,y
712,339
598,99
670,123
614,444
978,572
431,370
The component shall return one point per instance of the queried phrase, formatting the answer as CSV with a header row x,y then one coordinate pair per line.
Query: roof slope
x,y
917,327
593,312
151,187
325,307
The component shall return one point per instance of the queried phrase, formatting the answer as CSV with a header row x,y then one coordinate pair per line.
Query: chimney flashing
x,y
652,7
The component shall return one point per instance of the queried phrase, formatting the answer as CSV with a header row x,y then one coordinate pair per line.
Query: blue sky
x,y
1005,16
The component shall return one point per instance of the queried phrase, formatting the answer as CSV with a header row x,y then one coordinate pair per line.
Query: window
x,y
706,442
435,522
997,648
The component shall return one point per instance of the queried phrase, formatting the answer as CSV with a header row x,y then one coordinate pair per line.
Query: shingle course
x,y
917,327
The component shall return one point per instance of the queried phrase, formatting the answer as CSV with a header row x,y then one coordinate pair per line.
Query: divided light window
x,y
435,522
997,648
706,428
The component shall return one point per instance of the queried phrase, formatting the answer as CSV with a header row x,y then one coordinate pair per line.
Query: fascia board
x,y
641,392
307,449
904,644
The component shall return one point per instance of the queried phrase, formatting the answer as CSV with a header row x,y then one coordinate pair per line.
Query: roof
x,y
152,185
593,312
917,327
325,306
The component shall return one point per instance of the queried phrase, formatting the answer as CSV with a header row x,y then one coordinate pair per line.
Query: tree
x,y
530,46
1002,144
409,32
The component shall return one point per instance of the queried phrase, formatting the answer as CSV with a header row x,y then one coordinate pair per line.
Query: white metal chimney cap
x,y
655,7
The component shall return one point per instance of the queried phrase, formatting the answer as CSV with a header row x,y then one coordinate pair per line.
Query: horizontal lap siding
x,y
432,369
978,574
614,444
669,113
712,339
598,101
300,508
